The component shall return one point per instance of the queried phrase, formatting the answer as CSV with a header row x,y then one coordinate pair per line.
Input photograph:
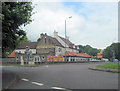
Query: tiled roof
x,y
56,42
76,54
83,54
12,55
31,45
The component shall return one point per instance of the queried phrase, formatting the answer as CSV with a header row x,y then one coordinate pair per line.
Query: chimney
x,y
45,33
41,35
55,33
67,37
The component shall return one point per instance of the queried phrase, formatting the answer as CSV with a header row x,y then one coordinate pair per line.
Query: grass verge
x,y
115,65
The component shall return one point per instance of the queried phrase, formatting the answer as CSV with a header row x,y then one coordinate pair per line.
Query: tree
x,y
88,49
14,15
22,40
113,48
38,39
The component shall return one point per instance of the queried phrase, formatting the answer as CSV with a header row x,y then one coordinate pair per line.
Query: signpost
x,y
28,53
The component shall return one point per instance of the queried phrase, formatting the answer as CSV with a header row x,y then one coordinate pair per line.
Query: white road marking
x,y
58,88
37,83
25,79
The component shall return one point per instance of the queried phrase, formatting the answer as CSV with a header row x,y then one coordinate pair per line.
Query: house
x,y
47,46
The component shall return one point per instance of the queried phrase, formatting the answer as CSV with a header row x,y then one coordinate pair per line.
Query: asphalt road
x,y
64,76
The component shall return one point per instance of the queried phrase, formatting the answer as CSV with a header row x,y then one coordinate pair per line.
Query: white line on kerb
x,y
58,88
25,79
37,83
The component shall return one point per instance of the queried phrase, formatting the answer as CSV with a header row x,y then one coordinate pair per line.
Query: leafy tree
x,y
38,39
88,49
22,40
14,15
112,50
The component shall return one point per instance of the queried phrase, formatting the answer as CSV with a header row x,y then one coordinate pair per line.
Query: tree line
x,y
89,50
110,52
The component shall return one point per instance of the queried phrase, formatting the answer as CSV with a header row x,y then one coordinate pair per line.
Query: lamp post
x,y
65,35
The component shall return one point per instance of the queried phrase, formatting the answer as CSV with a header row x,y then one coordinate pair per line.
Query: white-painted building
x,y
46,46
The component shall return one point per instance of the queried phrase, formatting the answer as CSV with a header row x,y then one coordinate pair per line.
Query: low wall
x,y
7,61
12,61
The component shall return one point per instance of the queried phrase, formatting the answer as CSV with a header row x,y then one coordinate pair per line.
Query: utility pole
x,y
65,35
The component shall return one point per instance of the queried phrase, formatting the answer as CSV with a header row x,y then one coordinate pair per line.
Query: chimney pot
x,y
55,33
41,35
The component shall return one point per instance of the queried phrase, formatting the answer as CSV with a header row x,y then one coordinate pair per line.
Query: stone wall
x,y
45,47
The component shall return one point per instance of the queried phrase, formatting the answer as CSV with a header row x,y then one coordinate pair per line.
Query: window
x,y
43,57
38,58
26,58
17,58
67,60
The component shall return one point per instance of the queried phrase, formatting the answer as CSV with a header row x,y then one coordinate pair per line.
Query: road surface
x,y
64,76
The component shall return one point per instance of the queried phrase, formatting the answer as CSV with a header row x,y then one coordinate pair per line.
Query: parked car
x,y
105,59
116,60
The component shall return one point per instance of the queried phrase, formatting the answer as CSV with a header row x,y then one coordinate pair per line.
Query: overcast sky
x,y
92,23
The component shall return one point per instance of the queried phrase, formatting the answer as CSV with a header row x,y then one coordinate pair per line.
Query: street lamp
x,y
65,34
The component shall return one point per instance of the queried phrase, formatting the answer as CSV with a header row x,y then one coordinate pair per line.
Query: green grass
x,y
110,65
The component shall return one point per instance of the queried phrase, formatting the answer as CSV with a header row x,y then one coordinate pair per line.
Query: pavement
x,y
64,77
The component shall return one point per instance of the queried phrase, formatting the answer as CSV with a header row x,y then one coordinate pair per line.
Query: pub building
x,y
49,49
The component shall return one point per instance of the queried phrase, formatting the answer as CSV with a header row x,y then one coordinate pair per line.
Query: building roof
x,y
70,44
77,54
83,54
12,55
56,42
31,45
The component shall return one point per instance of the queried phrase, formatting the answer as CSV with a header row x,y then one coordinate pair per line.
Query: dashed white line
x,y
37,83
25,79
43,84
58,88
